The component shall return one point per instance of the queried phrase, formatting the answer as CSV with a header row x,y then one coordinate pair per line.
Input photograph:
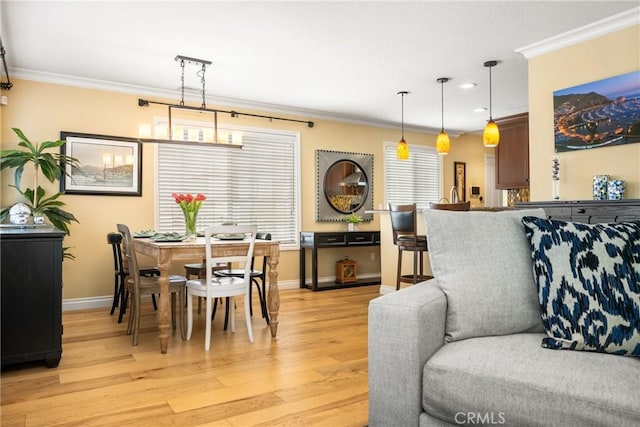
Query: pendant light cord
x,y
402,109
490,96
442,103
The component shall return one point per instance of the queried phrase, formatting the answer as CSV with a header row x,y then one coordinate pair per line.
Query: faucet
x,y
453,195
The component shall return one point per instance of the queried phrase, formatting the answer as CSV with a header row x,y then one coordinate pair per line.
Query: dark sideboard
x,y
31,295
588,211
336,239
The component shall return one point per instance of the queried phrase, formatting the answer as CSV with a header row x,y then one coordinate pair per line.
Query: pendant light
x,y
442,143
491,135
402,151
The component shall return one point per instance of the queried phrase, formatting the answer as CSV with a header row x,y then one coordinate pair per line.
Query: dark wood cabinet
x,y
318,240
589,211
31,295
512,153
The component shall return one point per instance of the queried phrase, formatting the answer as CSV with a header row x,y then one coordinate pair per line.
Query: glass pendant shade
x,y
402,151
491,135
442,143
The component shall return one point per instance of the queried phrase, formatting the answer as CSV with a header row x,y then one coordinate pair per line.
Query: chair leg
x,y
116,294
265,311
232,311
247,316
207,332
136,317
123,304
189,315
415,267
399,269
183,333
173,310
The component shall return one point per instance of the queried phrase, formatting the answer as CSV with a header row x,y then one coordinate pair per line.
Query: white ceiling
x,y
320,59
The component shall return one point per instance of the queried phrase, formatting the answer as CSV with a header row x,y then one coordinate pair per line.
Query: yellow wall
x,y
42,110
607,56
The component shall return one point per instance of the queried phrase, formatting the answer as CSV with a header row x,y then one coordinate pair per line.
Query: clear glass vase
x,y
190,219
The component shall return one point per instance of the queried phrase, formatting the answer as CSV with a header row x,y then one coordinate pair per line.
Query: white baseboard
x,y
72,304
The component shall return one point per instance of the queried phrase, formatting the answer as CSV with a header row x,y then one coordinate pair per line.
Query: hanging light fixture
x,y
491,135
402,151
442,143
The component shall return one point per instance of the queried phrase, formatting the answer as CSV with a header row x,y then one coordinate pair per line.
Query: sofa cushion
x,y
588,279
483,264
514,381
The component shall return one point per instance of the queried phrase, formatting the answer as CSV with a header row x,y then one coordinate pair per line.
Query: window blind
x,y
414,180
257,184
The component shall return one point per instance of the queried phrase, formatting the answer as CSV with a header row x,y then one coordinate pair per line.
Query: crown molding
x,y
599,28
146,91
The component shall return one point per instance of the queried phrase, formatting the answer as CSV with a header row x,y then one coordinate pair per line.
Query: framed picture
x,y
109,165
604,113
460,180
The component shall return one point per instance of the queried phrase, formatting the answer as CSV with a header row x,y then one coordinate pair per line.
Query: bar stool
x,y
406,238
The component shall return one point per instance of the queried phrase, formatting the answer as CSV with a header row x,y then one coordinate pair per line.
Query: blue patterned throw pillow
x,y
588,279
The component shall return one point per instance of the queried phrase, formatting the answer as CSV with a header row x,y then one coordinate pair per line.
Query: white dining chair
x,y
217,287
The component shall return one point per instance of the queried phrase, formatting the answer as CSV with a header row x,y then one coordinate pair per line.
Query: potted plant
x,y
352,221
51,165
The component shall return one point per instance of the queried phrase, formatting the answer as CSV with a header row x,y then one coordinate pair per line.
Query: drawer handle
x,y
581,211
331,239
360,238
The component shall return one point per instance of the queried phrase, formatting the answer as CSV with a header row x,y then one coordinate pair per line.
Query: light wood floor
x,y
314,373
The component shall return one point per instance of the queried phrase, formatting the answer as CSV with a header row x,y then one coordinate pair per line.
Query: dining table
x,y
167,252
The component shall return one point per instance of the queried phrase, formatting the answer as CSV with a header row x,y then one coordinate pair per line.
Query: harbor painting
x,y
603,113
108,165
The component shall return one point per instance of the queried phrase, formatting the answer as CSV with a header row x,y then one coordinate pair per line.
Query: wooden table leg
x,y
163,306
273,296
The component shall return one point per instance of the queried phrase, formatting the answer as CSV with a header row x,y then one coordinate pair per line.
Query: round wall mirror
x,y
346,186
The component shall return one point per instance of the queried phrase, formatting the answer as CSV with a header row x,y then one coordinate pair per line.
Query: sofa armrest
x,y
405,329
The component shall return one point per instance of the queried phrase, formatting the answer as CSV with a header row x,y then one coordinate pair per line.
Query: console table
x,y
589,211
317,240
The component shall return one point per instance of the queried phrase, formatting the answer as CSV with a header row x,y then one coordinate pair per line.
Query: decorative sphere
x,y
19,214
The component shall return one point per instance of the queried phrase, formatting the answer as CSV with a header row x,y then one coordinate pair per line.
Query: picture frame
x,y
603,113
460,180
109,165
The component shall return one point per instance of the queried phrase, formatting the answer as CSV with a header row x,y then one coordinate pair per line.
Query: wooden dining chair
x,y
212,287
120,273
258,277
139,285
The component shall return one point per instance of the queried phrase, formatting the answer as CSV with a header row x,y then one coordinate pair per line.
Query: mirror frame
x,y
325,159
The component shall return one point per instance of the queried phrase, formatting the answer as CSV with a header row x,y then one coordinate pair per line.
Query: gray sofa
x,y
465,348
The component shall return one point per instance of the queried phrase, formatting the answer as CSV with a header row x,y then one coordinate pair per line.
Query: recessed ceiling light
x,y
467,85
480,110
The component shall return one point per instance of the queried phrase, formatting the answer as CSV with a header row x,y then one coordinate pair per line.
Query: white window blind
x,y
414,180
257,184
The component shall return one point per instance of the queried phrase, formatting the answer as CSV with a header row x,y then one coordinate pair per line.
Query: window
x,y
414,180
258,184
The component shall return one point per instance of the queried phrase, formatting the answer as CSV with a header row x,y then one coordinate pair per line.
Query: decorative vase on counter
x,y
616,189
600,187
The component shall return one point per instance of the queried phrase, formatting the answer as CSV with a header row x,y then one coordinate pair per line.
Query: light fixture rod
x,y
442,81
5,85
402,93
146,103
490,64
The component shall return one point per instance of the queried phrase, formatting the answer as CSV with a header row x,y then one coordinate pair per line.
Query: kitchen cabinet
x,y
31,295
512,153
